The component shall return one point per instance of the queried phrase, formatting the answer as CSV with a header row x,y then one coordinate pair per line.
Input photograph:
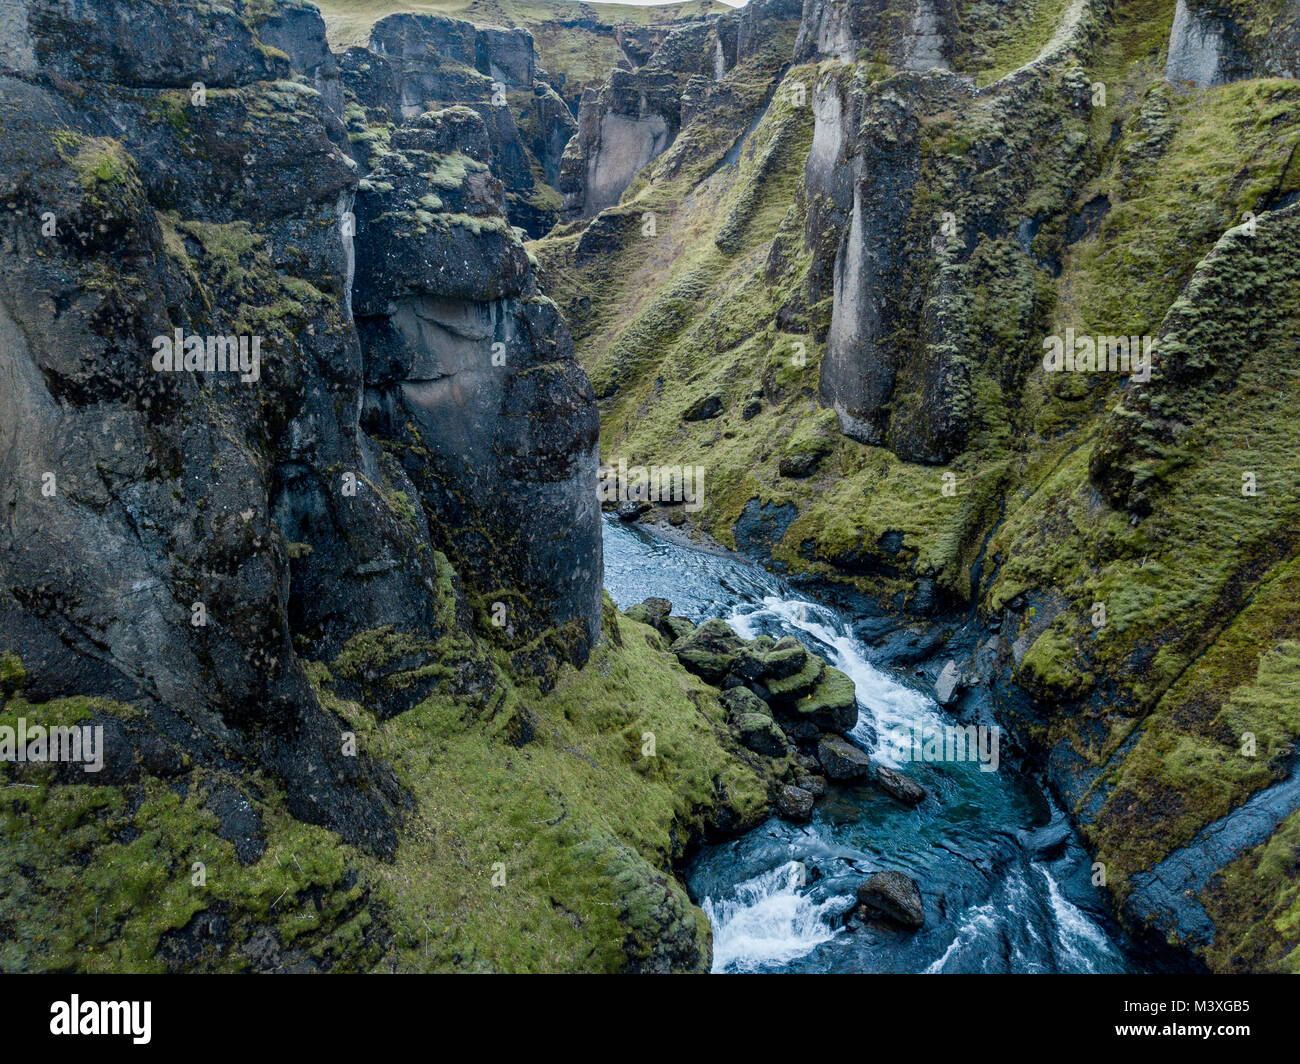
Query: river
x,y
1005,880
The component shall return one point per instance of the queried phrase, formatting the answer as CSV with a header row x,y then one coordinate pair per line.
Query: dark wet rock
x,y
759,732
298,30
1087,220
813,783
1168,897
740,701
802,731
1046,843
703,409
763,525
895,896
794,803
896,785
842,760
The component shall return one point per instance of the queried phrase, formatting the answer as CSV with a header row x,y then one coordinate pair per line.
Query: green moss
x,y
554,853
96,875
1255,906
13,677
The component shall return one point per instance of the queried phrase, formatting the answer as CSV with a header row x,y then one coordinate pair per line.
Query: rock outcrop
x,y
299,471
636,115
1213,42
418,63
905,349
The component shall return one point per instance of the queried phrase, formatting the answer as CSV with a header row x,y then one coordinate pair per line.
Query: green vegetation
x,y
1073,491
543,833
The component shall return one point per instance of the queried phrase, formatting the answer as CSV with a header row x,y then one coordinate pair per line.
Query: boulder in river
x,y
794,803
841,759
767,661
832,704
896,785
796,685
895,896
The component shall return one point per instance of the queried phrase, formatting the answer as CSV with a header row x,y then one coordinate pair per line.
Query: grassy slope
x,y
1199,595
582,826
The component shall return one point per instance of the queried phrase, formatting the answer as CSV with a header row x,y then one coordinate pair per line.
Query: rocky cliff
x,y
299,434
299,512
844,311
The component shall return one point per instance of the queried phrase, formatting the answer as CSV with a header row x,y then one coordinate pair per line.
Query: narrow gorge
x,y
520,486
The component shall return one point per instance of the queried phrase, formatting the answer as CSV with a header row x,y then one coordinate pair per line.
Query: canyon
x,y
347,624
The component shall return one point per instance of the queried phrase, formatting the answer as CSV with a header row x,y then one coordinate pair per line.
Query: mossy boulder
x,y
760,733
653,611
709,651
742,702
832,704
768,662
797,684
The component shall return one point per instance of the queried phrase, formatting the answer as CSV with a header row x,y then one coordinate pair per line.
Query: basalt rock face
x,y
184,534
155,564
1213,42
416,63
915,35
635,117
473,376
630,121
903,227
